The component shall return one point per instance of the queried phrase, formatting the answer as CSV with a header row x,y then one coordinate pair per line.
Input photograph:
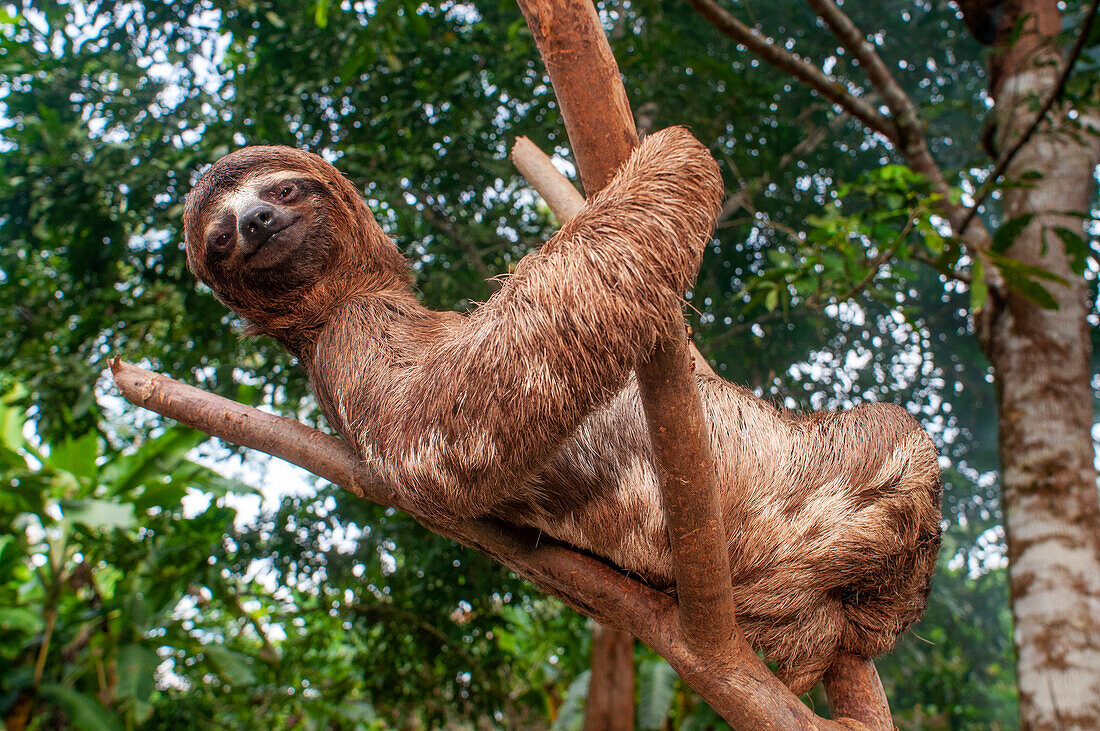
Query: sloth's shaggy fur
x,y
526,408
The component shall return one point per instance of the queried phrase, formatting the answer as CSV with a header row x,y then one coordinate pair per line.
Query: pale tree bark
x,y
1042,361
697,632
1041,357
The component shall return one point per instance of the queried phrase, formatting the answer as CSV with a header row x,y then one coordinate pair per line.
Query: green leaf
x,y
320,13
571,714
22,620
360,711
1076,248
1035,292
76,456
771,299
1024,278
137,666
154,459
164,495
1009,230
204,478
84,711
9,553
656,688
979,290
934,242
416,20
12,419
1017,268
232,667
99,513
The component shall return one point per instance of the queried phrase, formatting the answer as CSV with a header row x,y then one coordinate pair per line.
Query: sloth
x,y
526,409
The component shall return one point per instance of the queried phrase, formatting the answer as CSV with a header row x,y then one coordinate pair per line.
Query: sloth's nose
x,y
259,224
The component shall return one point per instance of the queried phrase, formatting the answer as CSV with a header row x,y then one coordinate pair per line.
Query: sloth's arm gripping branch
x,y
490,402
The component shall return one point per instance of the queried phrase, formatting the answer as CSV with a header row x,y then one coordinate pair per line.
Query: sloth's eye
x,y
221,239
286,191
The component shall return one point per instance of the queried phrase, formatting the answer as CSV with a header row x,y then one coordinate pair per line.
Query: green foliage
x,y
571,714
857,246
656,687
92,570
331,612
955,670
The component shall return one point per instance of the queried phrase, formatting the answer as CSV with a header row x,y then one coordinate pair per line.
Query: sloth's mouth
x,y
274,237
277,247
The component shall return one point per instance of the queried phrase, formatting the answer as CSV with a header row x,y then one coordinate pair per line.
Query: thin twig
x,y
805,72
877,262
925,259
1059,90
906,119
813,138
443,223
904,128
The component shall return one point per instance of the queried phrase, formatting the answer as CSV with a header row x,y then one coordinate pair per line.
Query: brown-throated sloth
x,y
526,408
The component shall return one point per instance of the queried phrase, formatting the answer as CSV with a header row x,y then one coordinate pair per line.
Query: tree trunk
x,y
610,705
1042,361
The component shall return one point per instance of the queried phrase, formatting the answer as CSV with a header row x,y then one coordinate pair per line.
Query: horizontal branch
x,y
591,586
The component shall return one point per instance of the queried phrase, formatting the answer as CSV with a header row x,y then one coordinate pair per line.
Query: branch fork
x,y
697,632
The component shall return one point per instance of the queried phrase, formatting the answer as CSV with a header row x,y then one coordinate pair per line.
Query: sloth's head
x,y
280,236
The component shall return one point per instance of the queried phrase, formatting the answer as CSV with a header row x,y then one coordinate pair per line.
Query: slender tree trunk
x,y
610,705
1042,361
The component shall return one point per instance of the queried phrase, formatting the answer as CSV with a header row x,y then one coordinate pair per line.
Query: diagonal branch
x,y
535,166
585,583
805,72
601,130
903,128
565,201
902,109
904,115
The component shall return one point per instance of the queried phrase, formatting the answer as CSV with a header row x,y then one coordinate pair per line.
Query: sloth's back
x,y
832,538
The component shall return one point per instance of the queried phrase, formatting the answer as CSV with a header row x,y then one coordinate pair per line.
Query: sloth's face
x,y
261,227
279,235
260,222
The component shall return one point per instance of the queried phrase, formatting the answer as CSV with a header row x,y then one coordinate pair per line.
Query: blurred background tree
x,y
142,589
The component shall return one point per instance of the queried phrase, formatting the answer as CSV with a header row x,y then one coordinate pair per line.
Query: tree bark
x,y
610,705
1042,363
601,130
1041,358
742,690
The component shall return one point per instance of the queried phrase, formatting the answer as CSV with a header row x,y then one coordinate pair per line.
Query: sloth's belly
x,y
621,523
600,493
